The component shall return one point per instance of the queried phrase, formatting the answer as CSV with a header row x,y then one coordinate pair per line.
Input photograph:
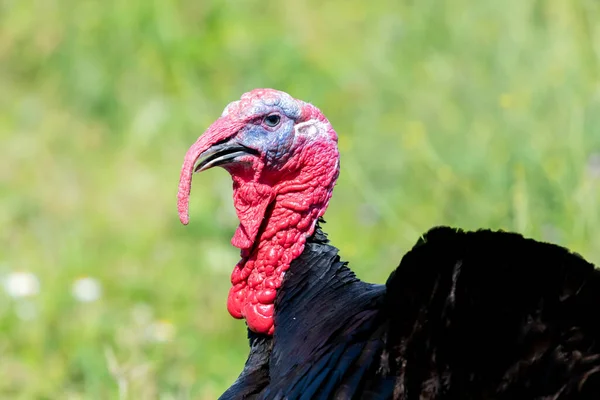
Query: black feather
x,y
466,315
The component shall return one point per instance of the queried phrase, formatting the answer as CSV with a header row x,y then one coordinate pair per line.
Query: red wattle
x,y
235,302
259,317
280,236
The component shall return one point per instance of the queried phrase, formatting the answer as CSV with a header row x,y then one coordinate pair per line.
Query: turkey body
x,y
466,315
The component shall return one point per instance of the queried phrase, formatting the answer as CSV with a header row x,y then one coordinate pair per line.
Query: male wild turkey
x,y
466,315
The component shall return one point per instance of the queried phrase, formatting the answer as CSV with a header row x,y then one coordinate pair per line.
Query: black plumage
x,y
466,315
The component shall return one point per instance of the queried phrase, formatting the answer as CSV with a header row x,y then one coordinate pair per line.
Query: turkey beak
x,y
215,147
221,154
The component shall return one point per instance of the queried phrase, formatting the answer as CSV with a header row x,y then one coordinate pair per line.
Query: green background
x,y
468,113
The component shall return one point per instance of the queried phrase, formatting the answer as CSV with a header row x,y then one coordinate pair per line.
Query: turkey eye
x,y
272,120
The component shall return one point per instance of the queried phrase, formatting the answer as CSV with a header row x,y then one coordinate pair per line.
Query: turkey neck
x,y
279,217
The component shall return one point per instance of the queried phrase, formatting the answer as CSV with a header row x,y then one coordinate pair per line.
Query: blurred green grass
x,y
473,114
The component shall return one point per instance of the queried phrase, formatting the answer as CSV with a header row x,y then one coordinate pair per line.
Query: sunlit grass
x,y
473,114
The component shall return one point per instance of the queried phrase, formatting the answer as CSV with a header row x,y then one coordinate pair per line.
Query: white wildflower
x,y
21,284
86,289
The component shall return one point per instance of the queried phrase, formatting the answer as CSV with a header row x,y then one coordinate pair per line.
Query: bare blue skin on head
x,y
275,142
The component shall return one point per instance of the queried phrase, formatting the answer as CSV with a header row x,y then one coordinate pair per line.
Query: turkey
x,y
465,315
